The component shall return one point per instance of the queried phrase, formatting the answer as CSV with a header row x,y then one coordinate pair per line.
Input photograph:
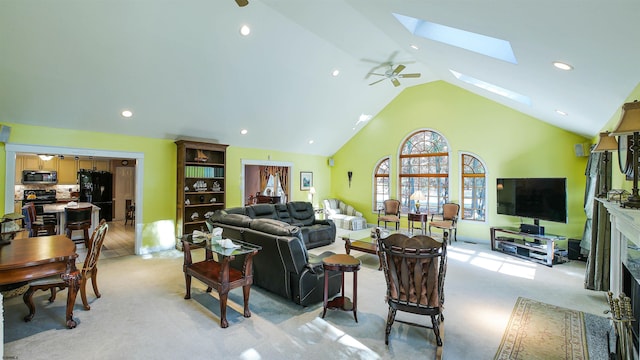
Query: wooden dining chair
x,y
34,224
88,271
130,213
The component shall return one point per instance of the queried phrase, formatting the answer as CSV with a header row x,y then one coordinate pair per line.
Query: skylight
x,y
492,88
481,44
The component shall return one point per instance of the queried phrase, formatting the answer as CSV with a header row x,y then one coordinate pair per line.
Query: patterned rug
x,y
541,331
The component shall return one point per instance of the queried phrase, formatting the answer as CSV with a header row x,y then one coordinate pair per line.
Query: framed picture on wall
x,y
306,180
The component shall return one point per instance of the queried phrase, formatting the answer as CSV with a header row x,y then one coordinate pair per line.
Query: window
x,y
424,166
474,187
380,183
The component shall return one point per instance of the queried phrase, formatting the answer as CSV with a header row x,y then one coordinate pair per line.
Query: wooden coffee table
x,y
361,241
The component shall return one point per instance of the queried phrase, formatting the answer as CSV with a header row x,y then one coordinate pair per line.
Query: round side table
x,y
343,263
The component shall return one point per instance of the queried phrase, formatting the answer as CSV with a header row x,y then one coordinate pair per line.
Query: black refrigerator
x,y
96,187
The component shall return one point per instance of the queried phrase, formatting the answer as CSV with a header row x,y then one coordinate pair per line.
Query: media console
x,y
534,247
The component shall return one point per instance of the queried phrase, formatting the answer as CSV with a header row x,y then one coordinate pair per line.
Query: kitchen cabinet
x,y
201,184
33,162
92,164
67,171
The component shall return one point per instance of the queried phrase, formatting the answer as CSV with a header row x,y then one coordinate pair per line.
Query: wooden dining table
x,y
24,260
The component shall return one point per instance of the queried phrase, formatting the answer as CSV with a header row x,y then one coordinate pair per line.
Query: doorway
x,y
267,178
10,174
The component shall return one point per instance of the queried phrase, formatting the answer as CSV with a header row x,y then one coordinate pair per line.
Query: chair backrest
x,y
414,269
95,245
29,212
392,207
450,211
76,215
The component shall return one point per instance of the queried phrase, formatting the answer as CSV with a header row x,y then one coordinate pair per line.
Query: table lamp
x,y
417,196
605,144
630,125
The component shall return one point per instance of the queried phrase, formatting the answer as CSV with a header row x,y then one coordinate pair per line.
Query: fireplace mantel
x,y
625,228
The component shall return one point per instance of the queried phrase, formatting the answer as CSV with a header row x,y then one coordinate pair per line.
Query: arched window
x,y
474,189
424,167
380,183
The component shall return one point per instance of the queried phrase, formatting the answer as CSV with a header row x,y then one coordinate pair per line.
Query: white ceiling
x,y
184,70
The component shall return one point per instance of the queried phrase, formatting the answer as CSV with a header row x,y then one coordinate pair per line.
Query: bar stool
x,y
78,218
35,226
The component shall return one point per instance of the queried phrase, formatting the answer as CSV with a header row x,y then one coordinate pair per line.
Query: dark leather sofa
x,y
315,232
283,266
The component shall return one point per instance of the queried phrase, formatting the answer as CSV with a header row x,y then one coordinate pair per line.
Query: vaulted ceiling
x,y
183,68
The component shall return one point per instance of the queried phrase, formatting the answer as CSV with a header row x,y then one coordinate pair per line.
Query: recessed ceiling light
x,y
244,131
560,112
414,47
335,72
245,30
127,113
310,142
363,118
562,66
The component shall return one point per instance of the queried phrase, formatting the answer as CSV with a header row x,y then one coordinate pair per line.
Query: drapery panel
x,y
597,233
278,172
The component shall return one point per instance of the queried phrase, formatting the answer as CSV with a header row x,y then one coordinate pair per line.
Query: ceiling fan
x,y
393,75
242,2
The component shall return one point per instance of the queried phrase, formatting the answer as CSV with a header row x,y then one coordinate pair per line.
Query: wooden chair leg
x,y
83,292
390,318
94,281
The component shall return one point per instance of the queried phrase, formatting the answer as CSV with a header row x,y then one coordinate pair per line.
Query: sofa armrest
x,y
315,262
314,268
323,222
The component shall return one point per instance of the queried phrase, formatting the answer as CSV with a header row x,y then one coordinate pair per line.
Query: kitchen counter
x,y
58,209
66,200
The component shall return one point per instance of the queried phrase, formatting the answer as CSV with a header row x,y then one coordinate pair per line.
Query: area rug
x,y
542,331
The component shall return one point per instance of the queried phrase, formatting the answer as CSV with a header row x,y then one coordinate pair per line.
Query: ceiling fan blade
x,y
242,2
395,82
375,82
398,69
409,75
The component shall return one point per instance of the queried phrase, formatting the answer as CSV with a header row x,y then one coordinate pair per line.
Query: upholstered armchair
x,y
390,213
448,221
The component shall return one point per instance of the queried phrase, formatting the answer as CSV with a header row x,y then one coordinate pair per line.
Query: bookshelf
x,y
200,184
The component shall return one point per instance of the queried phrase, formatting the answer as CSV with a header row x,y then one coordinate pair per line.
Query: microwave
x,y
39,177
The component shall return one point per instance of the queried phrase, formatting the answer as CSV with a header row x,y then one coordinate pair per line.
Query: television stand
x,y
533,247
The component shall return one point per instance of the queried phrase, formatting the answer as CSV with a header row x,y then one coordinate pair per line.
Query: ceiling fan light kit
x,y
393,75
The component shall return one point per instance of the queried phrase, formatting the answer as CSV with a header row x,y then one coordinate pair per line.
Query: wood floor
x,y
120,241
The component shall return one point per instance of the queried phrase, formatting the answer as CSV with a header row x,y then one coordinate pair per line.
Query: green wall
x,y
510,144
159,195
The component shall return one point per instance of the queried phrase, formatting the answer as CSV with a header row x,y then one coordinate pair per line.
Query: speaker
x,y
532,229
5,131
331,162
574,250
581,149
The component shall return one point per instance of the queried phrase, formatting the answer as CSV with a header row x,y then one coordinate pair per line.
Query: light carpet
x,y
142,313
538,330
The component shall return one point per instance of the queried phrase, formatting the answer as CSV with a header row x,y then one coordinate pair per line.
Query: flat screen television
x,y
536,198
